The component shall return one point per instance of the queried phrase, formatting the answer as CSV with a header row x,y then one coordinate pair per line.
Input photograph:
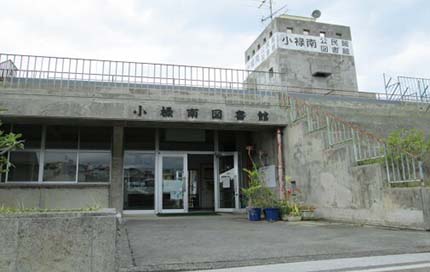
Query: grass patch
x,y
9,210
370,161
410,184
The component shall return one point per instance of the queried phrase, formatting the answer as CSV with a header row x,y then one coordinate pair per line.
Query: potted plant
x,y
270,204
307,212
295,214
260,196
284,209
253,194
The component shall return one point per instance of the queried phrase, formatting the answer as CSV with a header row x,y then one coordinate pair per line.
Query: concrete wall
x,y
376,116
340,190
58,242
138,105
265,145
54,197
299,68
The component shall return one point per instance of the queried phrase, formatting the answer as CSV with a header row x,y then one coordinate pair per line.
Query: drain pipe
x,y
280,164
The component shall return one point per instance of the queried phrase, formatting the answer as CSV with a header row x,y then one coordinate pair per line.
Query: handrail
x,y
349,124
400,165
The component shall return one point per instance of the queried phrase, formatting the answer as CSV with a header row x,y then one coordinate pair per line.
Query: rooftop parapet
x,y
63,73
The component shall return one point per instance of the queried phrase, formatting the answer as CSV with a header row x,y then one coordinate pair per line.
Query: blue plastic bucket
x,y
254,214
272,214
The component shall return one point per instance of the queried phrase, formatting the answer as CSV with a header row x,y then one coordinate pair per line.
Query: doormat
x,y
188,214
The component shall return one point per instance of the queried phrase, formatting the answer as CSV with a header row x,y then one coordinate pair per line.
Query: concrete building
x,y
312,55
154,138
161,138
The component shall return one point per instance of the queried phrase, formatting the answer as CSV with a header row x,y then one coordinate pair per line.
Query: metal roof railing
x,y
62,73
409,89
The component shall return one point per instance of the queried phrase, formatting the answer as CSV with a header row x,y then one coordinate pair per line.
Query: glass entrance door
x,y
227,182
173,183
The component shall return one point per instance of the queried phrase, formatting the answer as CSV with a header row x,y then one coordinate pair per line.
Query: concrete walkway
x,y
209,242
419,262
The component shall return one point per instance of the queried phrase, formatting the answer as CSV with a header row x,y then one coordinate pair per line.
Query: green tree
x,y
412,141
8,142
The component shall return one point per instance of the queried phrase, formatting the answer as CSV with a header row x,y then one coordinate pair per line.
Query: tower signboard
x,y
307,43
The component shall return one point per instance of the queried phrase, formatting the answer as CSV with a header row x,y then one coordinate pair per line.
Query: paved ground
x,y
417,262
207,242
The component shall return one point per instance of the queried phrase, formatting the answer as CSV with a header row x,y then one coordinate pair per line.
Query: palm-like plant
x,y
8,142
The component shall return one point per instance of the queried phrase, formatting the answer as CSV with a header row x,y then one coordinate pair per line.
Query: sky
x,y
389,36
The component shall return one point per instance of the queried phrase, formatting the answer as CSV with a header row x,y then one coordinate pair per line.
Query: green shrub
x,y
257,194
284,207
8,142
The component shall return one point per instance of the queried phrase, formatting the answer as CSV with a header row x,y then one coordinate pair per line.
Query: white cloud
x,y
414,58
210,33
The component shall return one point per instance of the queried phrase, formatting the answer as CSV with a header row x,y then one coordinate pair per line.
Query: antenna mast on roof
x,y
272,14
270,7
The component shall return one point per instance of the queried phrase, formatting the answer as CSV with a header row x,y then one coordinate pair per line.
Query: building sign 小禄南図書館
x,y
298,42
167,112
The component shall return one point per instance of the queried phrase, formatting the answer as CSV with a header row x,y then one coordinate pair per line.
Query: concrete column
x,y
281,173
425,193
116,194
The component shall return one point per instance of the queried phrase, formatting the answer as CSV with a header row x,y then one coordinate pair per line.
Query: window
x,y
61,154
253,52
264,40
289,30
139,181
321,74
94,154
6,129
339,35
31,135
322,34
248,58
60,166
26,166
70,154
94,166
258,47
186,139
306,32
139,139
26,162
99,138
271,72
270,34
227,140
61,137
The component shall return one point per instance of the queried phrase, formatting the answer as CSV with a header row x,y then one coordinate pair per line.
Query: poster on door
x,y
226,182
172,185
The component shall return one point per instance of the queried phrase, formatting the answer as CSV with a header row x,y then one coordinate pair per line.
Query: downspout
x,y
280,164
